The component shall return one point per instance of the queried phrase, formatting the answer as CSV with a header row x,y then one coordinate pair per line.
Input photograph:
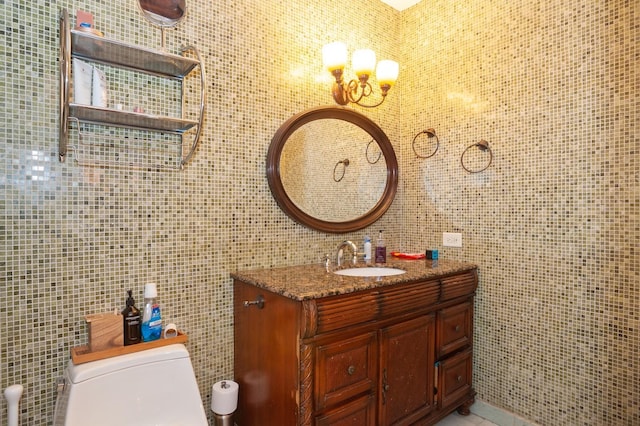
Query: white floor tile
x,y
455,419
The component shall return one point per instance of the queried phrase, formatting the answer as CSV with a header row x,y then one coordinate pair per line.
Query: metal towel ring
x,y
344,163
430,133
367,153
483,146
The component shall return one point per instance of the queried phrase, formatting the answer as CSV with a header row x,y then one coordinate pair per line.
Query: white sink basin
x,y
370,272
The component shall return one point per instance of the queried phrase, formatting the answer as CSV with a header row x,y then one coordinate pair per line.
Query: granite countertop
x,y
313,281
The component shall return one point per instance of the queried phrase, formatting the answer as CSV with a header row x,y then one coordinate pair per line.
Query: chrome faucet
x,y
340,252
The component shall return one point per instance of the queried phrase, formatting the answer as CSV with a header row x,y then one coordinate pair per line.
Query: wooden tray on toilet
x,y
82,354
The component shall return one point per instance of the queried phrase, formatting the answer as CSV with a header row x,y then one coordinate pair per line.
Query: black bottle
x,y
131,321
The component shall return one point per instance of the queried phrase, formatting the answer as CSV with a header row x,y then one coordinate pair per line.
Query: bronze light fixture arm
x,y
356,90
344,94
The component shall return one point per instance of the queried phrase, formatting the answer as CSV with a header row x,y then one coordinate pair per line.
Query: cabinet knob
x,y
459,379
457,327
351,370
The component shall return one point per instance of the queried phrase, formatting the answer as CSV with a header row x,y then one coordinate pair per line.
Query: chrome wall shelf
x,y
100,49
86,46
134,120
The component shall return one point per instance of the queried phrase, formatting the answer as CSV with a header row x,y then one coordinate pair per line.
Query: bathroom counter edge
x,y
304,282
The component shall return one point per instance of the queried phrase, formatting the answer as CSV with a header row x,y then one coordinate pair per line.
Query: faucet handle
x,y
326,260
354,261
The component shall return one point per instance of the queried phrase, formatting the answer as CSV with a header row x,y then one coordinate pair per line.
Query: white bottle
x,y
367,250
99,95
82,80
151,319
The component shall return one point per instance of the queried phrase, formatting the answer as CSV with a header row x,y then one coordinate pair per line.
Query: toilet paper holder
x,y
259,302
224,402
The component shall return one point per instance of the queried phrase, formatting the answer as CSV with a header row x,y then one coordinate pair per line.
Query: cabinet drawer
x,y
404,298
361,412
454,328
459,285
454,378
345,369
339,312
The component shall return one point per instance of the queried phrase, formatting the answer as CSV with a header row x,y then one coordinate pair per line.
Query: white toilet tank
x,y
151,387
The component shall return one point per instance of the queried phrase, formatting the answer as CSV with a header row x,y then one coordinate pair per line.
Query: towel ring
x,y
430,133
344,163
483,146
367,154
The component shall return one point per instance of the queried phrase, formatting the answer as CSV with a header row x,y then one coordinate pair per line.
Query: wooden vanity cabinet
x,y
392,355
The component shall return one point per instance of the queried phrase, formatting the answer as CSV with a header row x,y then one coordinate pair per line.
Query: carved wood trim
x,y
306,385
309,318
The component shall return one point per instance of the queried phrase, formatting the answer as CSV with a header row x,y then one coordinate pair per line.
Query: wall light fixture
x,y
334,58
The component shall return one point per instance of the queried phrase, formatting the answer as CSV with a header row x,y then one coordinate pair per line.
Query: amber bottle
x,y
131,321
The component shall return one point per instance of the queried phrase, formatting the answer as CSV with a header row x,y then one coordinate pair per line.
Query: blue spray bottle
x,y
151,318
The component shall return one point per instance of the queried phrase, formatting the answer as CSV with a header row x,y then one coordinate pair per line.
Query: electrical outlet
x,y
452,239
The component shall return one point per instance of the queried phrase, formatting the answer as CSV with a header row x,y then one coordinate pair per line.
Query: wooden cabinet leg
x,y
465,408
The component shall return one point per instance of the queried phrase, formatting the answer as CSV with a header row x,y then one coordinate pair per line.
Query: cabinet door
x,y
406,371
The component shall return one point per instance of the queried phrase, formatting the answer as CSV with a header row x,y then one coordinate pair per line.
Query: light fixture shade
x,y
363,61
387,72
334,55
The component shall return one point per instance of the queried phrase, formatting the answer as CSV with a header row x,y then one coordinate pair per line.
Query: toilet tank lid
x,y
90,370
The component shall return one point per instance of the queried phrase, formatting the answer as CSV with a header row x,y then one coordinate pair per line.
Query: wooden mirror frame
x,y
289,207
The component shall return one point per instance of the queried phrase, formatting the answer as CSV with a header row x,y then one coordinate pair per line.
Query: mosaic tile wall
x,y
74,238
554,222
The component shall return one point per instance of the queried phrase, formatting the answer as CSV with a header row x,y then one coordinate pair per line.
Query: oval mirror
x,y
164,13
332,169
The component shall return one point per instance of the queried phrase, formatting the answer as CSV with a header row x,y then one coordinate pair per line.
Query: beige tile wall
x,y
554,222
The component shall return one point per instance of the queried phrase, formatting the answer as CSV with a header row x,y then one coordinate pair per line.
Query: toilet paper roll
x,y
224,397
170,331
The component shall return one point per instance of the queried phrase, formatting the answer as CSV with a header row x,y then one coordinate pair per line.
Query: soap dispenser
x,y
381,250
131,322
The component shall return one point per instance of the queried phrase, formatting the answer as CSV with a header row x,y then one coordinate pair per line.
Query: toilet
x,y
151,387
